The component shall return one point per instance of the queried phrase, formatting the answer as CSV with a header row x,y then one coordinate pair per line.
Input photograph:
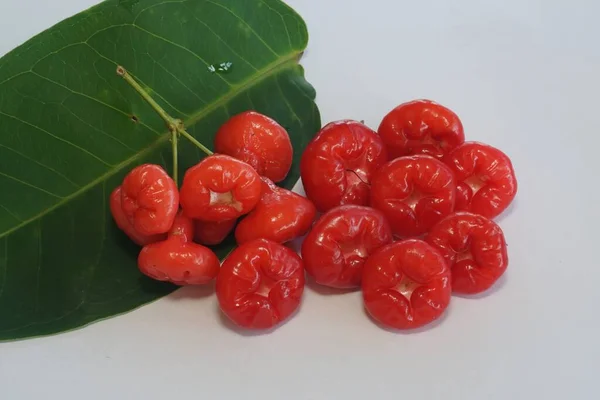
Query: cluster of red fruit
x,y
406,215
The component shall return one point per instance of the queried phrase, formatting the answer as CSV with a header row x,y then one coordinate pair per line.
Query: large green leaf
x,y
70,129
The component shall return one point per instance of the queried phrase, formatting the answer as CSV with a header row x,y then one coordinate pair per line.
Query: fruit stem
x,y
129,79
175,125
175,157
183,132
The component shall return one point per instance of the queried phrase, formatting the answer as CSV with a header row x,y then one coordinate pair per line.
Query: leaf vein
x,y
182,48
158,95
264,73
30,185
287,103
177,79
41,164
107,82
81,94
248,25
224,42
251,101
13,77
282,20
10,213
56,137
156,5
94,266
101,131
237,89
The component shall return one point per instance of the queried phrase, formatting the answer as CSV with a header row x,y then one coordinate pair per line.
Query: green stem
x,y
129,79
175,156
175,125
182,131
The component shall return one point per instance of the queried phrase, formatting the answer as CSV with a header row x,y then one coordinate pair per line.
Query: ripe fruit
x,y
149,199
414,193
124,224
178,259
338,164
408,181
280,216
260,284
406,284
486,182
211,233
259,141
474,248
336,248
219,188
421,127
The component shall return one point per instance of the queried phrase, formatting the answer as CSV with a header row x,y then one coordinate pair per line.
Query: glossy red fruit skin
x,y
486,181
338,164
414,193
219,188
124,224
421,127
406,285
150,199
281,215
259,141
335,250
177,259
474,248
260,284
211,233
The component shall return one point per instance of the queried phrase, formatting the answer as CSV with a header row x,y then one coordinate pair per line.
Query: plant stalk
x,y
175,156
175,125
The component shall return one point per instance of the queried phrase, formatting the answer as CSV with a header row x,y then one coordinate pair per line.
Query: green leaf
x,y
70,129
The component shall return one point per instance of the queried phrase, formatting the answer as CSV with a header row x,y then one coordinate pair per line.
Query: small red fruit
x,y
475,249
336,248
421,127
406,285
178,259
124,224
338,164
259,141
210,233
260,284
280,216
486,182
219,188
414,193
150,199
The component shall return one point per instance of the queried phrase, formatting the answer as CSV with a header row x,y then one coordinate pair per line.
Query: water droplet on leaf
x,y
222,68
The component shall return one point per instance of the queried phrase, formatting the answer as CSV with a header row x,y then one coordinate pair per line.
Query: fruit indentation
x,y
414,197
475,183
353,251
265,286
463,255
225,199
406,286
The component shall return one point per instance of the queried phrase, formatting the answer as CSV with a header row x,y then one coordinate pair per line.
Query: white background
x,y
523,76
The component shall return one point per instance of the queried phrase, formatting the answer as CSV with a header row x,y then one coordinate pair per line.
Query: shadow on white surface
x,y
227,323
432,325
496,287
193,292
508,212
326,290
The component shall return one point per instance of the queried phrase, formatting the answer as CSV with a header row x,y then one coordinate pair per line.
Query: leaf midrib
x,y
263,73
